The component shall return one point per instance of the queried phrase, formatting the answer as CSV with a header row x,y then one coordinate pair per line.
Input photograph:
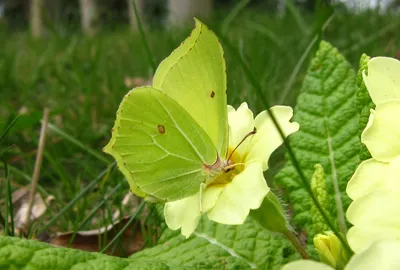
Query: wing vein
x,y
172,177
182,133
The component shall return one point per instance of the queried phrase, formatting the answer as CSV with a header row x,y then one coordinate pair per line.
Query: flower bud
x,y
271,214
330,250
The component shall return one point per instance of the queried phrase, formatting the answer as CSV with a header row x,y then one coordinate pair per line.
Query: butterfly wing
x,y
194,76
158,146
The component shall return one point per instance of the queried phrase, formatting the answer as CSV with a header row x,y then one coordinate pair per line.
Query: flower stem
x,y
296,243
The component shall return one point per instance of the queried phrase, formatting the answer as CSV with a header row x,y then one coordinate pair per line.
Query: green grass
x,y
82,80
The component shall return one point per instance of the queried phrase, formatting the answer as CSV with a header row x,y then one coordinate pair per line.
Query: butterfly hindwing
x,y
158,146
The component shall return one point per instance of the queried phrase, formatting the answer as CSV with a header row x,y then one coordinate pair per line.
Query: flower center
x,y
229,169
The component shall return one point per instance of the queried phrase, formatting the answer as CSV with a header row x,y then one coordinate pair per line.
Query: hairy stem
x,y
296,243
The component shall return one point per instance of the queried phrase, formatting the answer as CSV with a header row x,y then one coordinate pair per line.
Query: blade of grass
x,y
38,165
372,38
138,210
27,178
6,150
233,14
297,17
2,220
9,204
6,228
78,143
301,61
78,197
266,32
94,211
60,173
8,128
150,57
257,87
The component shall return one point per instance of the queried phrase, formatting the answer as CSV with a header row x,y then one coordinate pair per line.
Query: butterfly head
x,y
223,171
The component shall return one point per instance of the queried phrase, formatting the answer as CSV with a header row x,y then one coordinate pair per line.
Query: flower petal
x,y
306,265
383,81
361,237
241,123
183,214
382,255
378,208
369,176
210,196
246,191
267,139
381,136
393,180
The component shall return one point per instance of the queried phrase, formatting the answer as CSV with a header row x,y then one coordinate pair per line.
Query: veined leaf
x,y
217,246
328,134
213,246
17,253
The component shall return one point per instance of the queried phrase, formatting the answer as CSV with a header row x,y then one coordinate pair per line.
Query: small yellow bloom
x,y
330,250
229,197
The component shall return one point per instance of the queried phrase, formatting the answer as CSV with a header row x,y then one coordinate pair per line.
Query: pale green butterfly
x,y
169,138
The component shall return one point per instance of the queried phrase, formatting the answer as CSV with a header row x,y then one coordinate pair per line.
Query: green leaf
x,y
213,246
328,133
16,253
364,104
318,187
217,246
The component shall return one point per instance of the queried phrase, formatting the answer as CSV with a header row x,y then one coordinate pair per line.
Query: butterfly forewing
x,y
194,76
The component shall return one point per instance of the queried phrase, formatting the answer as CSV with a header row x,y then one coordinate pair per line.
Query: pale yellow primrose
x,y
229,202
382,255
375,186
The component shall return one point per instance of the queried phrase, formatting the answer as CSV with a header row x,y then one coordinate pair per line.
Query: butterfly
x,y
171,137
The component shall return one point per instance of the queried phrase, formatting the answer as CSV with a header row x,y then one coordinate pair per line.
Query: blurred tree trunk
x,y
181,11
88,16
132,16
281,8
36,24
53,10
2,8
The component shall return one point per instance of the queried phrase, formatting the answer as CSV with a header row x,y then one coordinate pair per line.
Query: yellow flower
x,y
229,197
382,255
330,250
375,186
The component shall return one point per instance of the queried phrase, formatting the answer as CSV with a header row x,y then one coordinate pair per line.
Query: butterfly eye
x,y
161,129
230,168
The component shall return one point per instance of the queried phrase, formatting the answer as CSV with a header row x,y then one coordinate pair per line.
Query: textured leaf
x,y
216,246
16,253
318,187
213,246
364,103
328,132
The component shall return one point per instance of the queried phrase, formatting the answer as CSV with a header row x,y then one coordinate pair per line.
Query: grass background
x,y
82,80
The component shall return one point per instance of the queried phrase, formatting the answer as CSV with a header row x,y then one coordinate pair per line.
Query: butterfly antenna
x,y
245,137
227,146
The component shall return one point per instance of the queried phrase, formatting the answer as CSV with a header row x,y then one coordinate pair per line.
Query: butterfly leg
x,y
202,187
